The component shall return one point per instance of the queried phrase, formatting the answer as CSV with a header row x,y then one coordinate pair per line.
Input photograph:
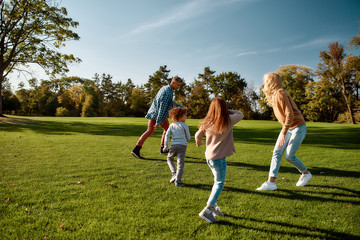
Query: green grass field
x,y
74,178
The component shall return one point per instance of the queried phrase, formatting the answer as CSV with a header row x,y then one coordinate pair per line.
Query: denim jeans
x,y
293,140
218,168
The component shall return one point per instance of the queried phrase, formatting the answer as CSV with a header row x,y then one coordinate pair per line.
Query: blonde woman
x,y
292,134
218,129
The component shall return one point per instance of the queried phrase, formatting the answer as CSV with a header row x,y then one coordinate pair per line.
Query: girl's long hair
x,y
272,84
217,119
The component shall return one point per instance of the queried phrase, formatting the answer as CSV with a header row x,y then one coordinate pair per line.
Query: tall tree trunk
x,y
1,103
348,103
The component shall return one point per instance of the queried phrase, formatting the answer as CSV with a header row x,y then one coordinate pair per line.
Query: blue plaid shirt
x,y
161,105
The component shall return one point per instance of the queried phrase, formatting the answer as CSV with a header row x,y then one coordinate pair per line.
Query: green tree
x,y
125,92
335,66
252,98
91,105
355,41
266,111
324,101
159,79
228,85
138,106
10,102
73,99
295,79
47,99
199,100
206,77
231,87
32,31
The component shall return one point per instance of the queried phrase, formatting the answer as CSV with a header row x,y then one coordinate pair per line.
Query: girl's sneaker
x,y
304,179
208,215
217,210
267,186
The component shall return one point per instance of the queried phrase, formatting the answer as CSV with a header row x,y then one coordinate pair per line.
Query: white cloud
x,y
189,10
273,50
182,13
247,53
313,43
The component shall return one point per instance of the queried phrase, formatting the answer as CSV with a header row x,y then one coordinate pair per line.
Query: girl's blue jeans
x,y
293,140
218,168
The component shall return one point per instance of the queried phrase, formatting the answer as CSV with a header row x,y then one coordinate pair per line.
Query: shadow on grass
x,y
311,232
292,194
346,137
342,137
315,171
284,169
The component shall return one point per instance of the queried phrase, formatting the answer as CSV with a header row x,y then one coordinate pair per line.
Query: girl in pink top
x,y
218,129
292,134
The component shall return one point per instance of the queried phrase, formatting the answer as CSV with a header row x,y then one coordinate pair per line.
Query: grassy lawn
x,y
74,178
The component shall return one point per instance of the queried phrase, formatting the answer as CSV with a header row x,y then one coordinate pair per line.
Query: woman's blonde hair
x,y
177,113
217,119
272,84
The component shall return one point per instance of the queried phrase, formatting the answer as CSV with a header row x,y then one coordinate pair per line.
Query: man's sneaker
x,y
179,184
208,215
267,186
136,152
163,151
172,179
217,210
304,179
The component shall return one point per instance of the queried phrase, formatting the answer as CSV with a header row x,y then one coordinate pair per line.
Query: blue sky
x,y
132,39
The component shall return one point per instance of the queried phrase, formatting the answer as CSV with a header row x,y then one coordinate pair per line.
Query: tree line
x,y
334,97
32,31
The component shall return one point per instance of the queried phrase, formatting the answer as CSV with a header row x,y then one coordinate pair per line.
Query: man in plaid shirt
x,y
158,114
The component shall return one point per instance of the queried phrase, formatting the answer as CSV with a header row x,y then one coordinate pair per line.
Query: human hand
x,y
282,141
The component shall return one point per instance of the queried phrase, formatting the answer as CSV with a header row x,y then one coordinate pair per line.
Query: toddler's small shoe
x,y
179,184
173,178
304,179
267,186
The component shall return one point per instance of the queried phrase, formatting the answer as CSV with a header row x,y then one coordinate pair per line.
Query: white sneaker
x,y
267,186
304,179
208,215
217,210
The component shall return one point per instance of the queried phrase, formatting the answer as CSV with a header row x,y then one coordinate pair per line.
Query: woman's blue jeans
x,y
293,139
218,168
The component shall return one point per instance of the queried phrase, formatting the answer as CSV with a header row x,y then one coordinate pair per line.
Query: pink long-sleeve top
x,y
219,146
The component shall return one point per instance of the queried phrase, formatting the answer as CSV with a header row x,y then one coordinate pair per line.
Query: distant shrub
x,y
62,112
345,117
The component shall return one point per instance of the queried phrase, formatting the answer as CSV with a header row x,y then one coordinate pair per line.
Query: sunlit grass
x,y
74,178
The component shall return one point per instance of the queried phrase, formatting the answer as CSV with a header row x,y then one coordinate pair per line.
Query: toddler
x,y
180,137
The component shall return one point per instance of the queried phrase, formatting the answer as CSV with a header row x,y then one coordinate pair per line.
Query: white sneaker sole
x,y
303,184
135,155
261,189
205,219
